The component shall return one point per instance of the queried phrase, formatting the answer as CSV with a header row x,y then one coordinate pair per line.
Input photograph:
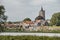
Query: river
x,y
34,34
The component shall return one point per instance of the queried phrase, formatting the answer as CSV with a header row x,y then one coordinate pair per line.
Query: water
x,y
34,34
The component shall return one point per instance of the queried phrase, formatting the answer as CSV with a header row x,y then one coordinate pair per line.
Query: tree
x,y
55,19
58,23
27,19
2,10
3,17
9,22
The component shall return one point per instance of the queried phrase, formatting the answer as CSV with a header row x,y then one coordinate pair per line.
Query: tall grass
x,y
28,38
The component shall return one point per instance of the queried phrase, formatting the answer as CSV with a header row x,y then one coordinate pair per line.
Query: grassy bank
x,y
44,29
47,29
28,38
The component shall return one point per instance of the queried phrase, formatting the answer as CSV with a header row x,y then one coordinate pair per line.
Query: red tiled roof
x,y
29,22
10,25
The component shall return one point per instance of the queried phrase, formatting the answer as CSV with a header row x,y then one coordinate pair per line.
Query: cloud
x,y
42,2
17,10
12,2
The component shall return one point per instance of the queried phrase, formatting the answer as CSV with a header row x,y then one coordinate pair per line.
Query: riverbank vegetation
x,y
28,38
48,29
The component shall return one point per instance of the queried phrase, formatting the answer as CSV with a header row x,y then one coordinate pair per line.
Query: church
x,y
40,19
37,23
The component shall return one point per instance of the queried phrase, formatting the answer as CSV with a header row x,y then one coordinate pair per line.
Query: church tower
x,y
40,19
42,13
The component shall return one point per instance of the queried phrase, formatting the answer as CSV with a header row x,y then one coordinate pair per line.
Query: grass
x,y
28,38
44,30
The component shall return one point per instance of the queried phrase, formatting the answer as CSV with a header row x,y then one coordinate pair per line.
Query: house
x,y
12,25
27,25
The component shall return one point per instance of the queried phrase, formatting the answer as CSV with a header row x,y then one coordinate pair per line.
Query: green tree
x,y
27,19
58,23
2,10
9,22
3,17
55,19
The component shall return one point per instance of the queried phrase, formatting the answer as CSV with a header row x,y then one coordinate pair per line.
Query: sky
x,y
17,10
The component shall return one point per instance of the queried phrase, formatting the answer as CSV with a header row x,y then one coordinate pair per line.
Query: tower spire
x,y
41,8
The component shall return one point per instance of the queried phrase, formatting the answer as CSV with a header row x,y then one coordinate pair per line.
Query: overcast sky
x,y
17,10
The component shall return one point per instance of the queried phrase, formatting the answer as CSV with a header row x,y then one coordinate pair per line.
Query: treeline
x,y
55,20
28,38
